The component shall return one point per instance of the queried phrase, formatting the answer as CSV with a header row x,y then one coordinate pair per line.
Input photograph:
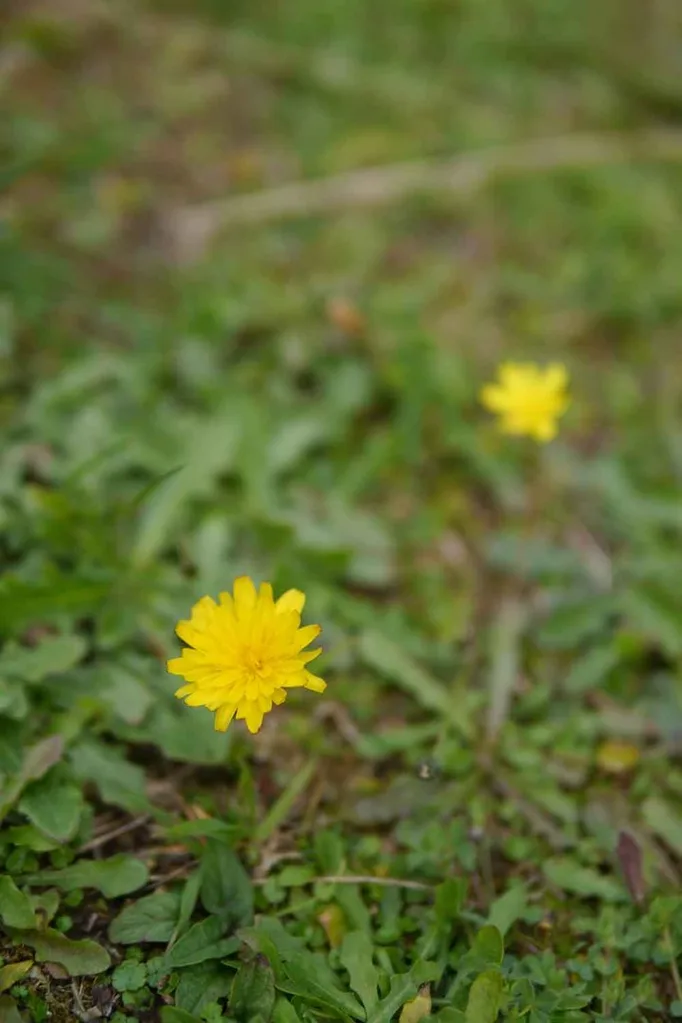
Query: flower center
x,y
254,663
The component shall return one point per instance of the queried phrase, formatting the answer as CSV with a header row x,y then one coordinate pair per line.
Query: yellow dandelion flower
x,y
528,399
244,653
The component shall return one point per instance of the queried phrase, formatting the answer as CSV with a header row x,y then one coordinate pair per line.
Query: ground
x,y
203,375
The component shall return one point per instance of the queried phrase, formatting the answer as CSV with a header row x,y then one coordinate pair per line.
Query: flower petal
x,y
306,635
224,715
253,717
318,685
292,600
244,595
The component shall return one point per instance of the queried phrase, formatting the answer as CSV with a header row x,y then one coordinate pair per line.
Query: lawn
x,y
257,263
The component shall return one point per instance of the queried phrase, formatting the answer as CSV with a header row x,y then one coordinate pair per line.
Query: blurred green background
x,y
191,390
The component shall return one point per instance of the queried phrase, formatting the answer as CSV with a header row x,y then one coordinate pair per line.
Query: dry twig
x,y
190,230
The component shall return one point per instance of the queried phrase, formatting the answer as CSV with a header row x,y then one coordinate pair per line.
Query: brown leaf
x,y
630,859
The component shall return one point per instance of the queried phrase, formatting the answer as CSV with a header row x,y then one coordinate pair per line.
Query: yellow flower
x,y
244,653
528,399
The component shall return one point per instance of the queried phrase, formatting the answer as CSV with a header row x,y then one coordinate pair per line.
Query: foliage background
x,y
297,399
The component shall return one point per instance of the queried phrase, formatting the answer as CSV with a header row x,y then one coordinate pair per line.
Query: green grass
x,y
486,805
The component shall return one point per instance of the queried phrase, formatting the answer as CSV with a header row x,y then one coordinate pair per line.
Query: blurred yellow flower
x,y
244,653
528,399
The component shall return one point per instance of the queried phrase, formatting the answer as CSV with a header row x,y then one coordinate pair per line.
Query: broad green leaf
x,y
127,695
170,1014
16,909
574,621
118,782
37,761
24,602
252,997
508,908
204,940
572,877
391,661
79,958
150,919
485,996
588,671
284,1012
309,975
129,976
202,984
226,889
12,973
209,450
356,955
50,657
29,837
665,821
449,899
54,807
115,876
657,613
402,990
190,738
45,905
488,946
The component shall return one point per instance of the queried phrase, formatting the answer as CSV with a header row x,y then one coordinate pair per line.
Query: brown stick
x,y
191,229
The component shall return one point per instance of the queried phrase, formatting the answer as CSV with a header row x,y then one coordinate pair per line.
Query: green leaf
x,y
129,976
485,997
488,946
202,984
51,657
25,602
252,998
226,889
210,449
309,975
356,954
572,877
15,907
574,621
170,1014
285,1012
190,738
188,901
150,919
390,660
204,940
118,782
449,899
79,958
13,972
281,808
655,612
45,905
37,761
402,990
504,662
508,908
664,820
589,671
115,876
54,807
